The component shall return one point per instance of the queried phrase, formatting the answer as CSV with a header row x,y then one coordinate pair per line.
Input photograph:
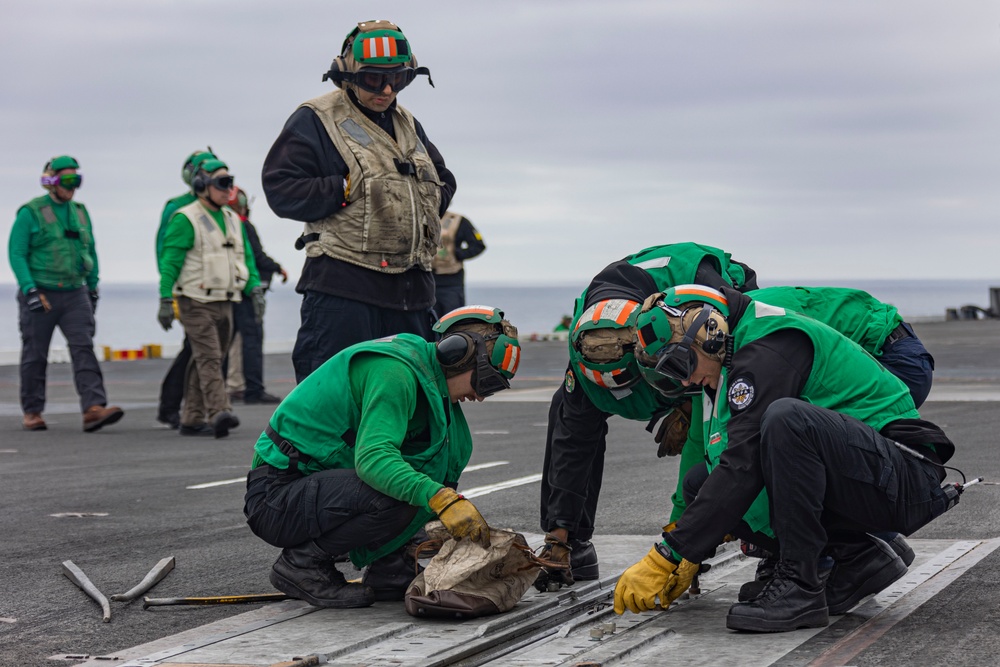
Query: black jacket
x,y
303,179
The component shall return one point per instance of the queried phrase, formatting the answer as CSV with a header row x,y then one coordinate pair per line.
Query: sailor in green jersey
x,y
367,449
602,380
796,409
172,387
876,326
208,265
54,260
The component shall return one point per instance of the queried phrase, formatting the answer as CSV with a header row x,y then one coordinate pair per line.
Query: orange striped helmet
x,y
600,343
499,339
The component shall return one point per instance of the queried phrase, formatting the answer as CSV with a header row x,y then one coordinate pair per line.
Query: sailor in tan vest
x,y
207,265
359,170
459,241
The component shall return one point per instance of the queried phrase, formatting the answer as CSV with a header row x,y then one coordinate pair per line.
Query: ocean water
x,y
126,314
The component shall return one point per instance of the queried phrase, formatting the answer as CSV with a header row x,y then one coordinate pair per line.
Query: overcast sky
x,y
812,140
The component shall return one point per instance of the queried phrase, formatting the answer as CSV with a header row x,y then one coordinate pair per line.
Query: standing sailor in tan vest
x,y
459,241
207,265
359,170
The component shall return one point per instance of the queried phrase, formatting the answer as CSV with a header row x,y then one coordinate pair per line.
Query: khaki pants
x,y
234,377
209,329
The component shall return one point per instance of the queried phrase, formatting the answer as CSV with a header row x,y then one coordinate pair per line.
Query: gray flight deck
x,y
117,501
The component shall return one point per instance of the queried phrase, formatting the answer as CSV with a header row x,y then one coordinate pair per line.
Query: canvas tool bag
x,y
465,581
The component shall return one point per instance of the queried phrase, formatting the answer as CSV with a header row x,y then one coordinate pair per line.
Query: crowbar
x,y
76,575
155,576
217,599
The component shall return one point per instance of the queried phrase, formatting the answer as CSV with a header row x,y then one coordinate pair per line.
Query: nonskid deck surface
x,y
575,626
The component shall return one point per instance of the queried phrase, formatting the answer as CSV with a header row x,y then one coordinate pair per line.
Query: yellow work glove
x,y
460,517
653,576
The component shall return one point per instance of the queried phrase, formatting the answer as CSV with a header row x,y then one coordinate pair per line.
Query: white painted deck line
x,y
500,486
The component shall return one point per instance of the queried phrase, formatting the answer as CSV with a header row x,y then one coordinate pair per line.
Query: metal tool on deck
x,y
217,599
76,575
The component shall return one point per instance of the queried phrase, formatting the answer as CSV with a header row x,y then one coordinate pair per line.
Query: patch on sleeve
x,y
570,382
741,393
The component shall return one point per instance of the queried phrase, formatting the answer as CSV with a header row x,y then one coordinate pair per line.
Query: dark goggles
x,y
222,182
68,181
376,79
454,350
677,361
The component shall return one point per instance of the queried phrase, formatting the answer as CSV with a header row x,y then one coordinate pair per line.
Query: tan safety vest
x,y
390,223
215,268
445,262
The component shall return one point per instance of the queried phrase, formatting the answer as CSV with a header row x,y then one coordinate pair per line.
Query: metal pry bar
x,y
155,576
76,575
218,599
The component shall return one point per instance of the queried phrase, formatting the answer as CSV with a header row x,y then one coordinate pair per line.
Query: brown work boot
x,y
33,422
97,416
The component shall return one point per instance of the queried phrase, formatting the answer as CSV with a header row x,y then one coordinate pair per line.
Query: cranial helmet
x,y
479,338
192,163
55,165
238,201
675,323
376,42
204,171
601,344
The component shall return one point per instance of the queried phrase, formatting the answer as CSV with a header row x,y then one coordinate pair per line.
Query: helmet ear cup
x,y
337,70
199,183
455,350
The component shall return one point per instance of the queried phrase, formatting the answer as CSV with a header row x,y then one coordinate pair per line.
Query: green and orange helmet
x,y
601,344
479,338
673,326
375,54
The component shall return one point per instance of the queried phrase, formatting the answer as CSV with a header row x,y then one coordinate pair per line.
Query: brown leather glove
x,y
460,517
673,430
557,550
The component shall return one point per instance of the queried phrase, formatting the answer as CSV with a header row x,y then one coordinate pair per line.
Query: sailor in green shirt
x,y
367,449
172,387
52,255
804,433
207,264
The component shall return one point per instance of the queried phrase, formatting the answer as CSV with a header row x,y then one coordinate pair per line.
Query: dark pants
x,y
693,480
828,474
73,313
562,458
449,297
245,323
334,508
332,323
172,387
909,360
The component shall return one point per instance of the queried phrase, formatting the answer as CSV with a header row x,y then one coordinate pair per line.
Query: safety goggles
x,y
222,182
678,361
455,350
68,181
375,80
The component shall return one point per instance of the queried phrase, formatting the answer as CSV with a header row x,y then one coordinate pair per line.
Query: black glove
x,y
36,301
166,314
257,297
94,296
673,431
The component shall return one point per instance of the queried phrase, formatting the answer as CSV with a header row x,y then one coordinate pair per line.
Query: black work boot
x,y
583,560
306,572
794,598
860,569
898,544
390,576
764,573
